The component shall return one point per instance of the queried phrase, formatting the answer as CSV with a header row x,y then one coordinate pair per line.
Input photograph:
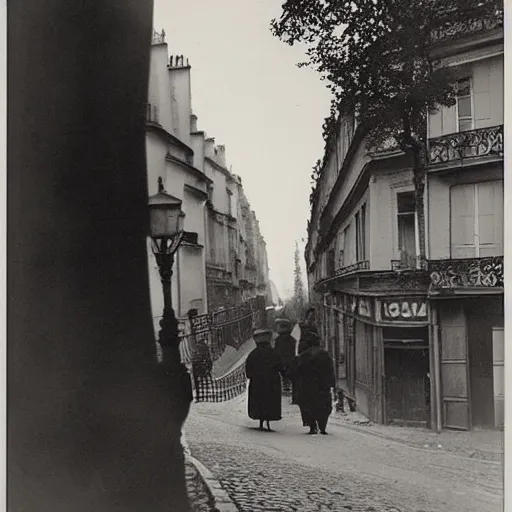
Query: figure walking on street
x,y
315,376
263,368
285,347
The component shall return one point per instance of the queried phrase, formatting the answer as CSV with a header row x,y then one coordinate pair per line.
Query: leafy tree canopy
x,y
376,56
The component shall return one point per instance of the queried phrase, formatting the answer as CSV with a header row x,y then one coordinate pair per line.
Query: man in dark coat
x,y
308,325
263,368
285,348
315,375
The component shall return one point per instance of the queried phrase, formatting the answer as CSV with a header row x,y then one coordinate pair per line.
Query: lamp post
x,y
166,231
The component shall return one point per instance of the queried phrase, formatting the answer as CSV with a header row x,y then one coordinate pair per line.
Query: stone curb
x,y
222,501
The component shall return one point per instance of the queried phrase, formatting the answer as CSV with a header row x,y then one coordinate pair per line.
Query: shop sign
x,y
404,310
364,308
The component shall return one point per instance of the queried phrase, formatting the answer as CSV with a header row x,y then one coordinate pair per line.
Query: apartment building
x,y
419,343
210,266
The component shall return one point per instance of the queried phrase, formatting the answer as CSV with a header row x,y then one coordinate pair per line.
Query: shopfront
x,y
382,355
471,339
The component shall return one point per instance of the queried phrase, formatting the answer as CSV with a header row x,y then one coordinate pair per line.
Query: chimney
x,y
193,123
221,155
209,151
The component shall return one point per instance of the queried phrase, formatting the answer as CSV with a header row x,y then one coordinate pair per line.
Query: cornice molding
x,y
194,170
218,166
169,137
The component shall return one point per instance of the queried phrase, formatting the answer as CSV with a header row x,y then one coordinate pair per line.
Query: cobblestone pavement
x,y
348,470
199,498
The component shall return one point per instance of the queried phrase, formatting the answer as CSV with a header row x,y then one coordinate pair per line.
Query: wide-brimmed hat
x,y
284,326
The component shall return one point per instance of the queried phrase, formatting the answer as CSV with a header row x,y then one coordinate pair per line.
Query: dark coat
x,y
305,329
285,349
314,378
262,368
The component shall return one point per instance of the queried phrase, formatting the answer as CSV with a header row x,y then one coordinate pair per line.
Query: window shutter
x,y
463,221
490,218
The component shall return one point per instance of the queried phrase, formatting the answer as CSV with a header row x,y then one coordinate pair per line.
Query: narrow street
x,y
350,469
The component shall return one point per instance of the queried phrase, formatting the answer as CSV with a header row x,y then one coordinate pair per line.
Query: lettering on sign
x,y
404,310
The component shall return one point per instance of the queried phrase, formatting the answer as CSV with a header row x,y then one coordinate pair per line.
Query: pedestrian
x,y
315,376
263,368
285,347
306,326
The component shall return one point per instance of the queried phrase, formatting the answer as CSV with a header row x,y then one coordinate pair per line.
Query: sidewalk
x,y
477,444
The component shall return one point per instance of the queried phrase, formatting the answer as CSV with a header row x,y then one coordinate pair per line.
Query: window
x,y
477,220
360,234
406,217
341,249
231,209
464,105
331,262
347,257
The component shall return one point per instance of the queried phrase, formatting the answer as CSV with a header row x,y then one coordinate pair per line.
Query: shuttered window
x,y
477,220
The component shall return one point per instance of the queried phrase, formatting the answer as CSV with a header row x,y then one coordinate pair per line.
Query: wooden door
x,y
498,358
454,366
406,380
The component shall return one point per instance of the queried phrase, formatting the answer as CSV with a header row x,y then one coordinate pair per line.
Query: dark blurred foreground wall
x,y
92,425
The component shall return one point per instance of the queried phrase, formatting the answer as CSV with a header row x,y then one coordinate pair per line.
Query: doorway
x,y
407,384
482,316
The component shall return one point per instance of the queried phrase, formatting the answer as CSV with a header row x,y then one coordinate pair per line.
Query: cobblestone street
x,y
351,469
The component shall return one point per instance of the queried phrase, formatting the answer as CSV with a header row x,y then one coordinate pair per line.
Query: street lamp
x,y
166,231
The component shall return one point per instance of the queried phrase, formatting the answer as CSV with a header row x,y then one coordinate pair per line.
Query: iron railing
x,y
464,145
466,273
360,265
203,340
453,29
406,262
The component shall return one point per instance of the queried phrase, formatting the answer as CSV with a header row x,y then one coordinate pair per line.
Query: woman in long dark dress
x,y
315,376
263,368
285,347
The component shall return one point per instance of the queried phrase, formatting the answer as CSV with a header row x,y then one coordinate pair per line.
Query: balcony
x,y
468,27
360,265
460,146
406,262
485,273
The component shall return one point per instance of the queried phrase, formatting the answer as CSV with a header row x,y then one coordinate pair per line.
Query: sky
x,y
250,96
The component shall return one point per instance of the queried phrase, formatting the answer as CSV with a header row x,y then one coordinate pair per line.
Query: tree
x,y
299,295
377,57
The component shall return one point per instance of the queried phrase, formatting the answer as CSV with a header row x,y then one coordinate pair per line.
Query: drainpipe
x,y
436,368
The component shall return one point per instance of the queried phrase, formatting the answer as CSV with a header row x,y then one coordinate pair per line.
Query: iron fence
x,y
204,338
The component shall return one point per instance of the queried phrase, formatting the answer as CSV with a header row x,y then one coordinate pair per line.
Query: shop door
x,y
351,355
498,354
406,372
454,366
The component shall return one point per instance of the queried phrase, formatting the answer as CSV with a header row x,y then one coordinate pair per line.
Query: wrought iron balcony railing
x,y
466,273
151,113
463,145
457,29
406,262
360,265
